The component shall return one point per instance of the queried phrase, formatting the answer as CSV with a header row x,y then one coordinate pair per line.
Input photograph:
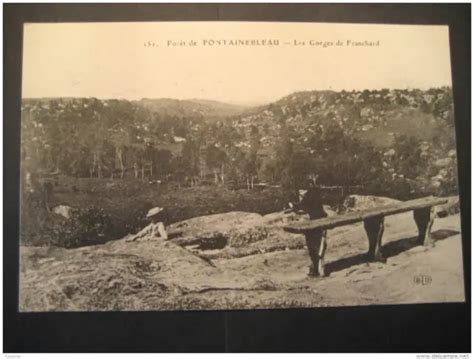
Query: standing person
x,y
312,204
155,229
47,192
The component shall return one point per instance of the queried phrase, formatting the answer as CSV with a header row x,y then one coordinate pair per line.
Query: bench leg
x,y
316,243
374,228
424,221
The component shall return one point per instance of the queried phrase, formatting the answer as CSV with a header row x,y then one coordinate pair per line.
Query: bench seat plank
x,y
358,216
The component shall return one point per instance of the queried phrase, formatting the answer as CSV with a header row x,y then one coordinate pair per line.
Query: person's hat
x,y
154,211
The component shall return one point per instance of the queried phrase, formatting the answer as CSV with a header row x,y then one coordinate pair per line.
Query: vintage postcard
x,y
237,165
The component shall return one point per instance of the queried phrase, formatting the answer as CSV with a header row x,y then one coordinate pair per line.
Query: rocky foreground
x,y
241,260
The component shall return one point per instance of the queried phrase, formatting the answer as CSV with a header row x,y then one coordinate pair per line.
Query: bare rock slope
x,y
243,260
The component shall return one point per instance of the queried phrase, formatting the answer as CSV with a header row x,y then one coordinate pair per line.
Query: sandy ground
x,y
158,275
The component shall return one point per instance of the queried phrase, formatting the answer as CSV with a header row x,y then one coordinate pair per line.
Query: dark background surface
x,y
397,328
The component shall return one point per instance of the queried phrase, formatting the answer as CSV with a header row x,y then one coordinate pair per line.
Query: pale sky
x,y
110,60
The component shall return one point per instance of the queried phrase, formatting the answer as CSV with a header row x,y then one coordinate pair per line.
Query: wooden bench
x,y
373,219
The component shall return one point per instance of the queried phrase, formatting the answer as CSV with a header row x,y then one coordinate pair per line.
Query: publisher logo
x,y
422,279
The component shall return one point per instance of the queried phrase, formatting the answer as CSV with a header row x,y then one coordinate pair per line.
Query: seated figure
x,y
155,229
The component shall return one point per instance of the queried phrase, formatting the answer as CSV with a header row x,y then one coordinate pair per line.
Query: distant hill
x,y
376,117
164,106
195,107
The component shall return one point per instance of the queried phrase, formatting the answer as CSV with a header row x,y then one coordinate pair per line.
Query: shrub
x,y
35,221
135,220
240,239
86,226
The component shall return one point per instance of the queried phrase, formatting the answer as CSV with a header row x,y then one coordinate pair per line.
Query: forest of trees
x,y
306,134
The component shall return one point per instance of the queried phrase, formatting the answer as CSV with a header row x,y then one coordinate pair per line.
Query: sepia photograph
x,y
169,166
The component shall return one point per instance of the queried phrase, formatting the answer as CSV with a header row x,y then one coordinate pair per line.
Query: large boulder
x,y
232,229
282,218
236,234
63,210
450,208
443,162
357,202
